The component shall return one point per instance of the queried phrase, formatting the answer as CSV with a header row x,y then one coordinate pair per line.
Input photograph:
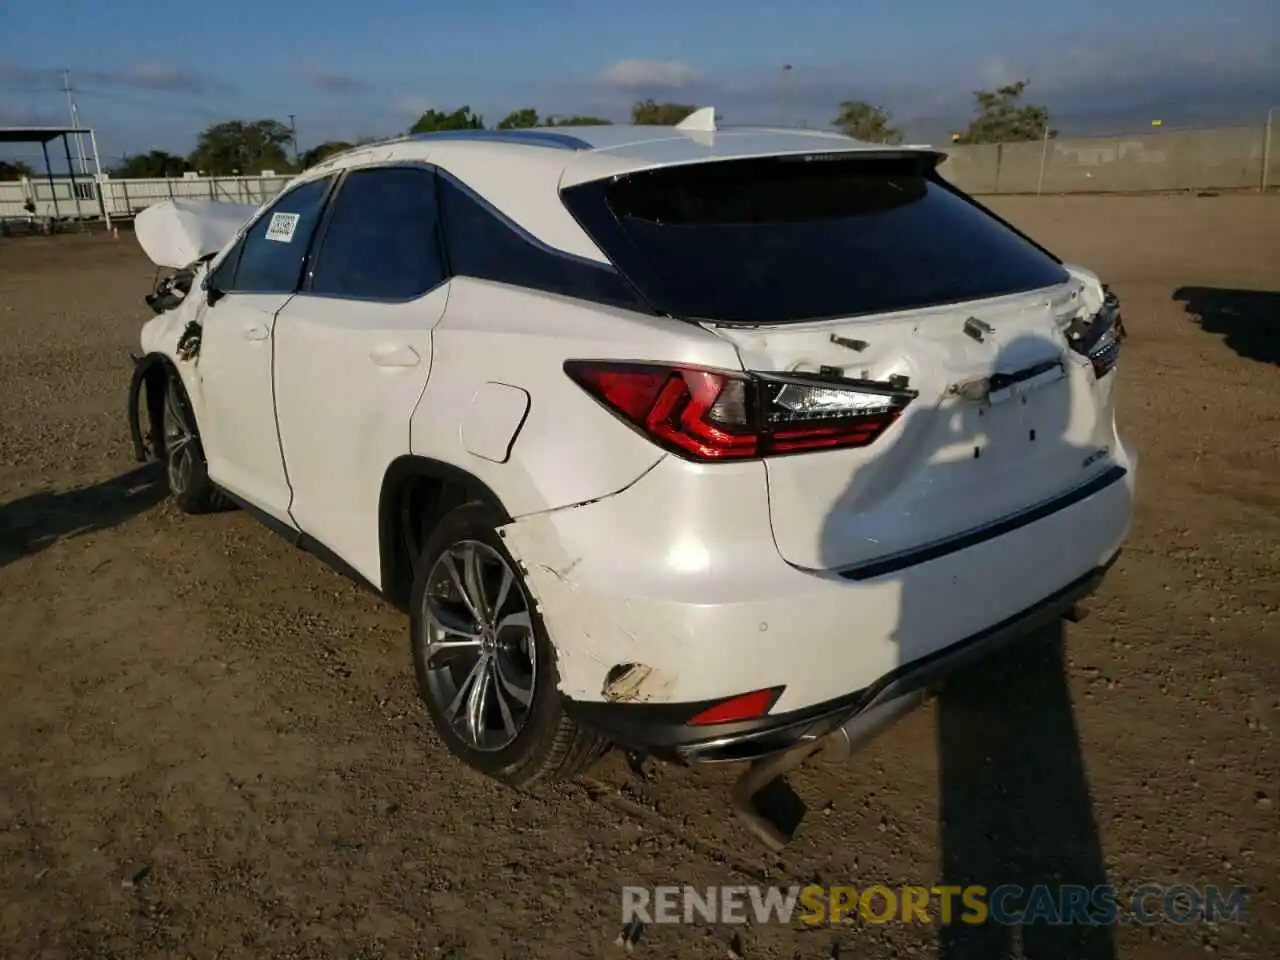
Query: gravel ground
x,y
210,745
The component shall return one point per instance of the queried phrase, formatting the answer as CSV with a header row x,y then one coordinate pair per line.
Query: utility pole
x,y
293,131
786,75
1044,158
75,122
1266,150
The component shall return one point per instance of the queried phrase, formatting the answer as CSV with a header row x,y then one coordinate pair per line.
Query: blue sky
x,y
151,74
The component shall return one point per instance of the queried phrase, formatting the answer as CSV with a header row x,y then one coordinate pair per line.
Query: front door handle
x,y
401,356
256,331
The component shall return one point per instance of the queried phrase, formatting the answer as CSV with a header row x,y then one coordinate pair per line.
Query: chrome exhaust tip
x,y
766,774
856,733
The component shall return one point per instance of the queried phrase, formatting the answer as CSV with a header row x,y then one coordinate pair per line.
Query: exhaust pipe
x,y
767,773
764,773
847,740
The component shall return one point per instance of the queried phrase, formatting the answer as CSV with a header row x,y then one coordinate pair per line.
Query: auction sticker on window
x,y
282,226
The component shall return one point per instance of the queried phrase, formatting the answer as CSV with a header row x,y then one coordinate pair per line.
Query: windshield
x,y
804,238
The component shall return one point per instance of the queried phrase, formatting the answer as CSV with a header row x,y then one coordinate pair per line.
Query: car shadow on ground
x,y
1247,320
1015,807
32,523
1014,803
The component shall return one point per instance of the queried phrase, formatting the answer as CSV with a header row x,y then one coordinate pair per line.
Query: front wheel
x,y
185,468
484,663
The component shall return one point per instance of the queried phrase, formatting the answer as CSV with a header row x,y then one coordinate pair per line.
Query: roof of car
x,y
614,136
522,171
609,149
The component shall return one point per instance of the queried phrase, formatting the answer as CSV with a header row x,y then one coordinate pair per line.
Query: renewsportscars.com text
x,y
1008,904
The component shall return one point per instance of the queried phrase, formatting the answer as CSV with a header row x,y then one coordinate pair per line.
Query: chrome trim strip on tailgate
x,y
962,541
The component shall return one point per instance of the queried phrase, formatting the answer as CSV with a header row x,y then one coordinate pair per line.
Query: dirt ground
x,y
210,745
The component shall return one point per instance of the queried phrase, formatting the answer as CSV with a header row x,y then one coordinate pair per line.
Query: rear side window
x,y
272,253
486,245
382,241
804,238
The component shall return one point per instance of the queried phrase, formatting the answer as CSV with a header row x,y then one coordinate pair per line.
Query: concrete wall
x,y
1226,158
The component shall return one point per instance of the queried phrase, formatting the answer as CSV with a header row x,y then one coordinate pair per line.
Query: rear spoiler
x,y
579,171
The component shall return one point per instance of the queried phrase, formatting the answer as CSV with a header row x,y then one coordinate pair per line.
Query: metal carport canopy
x,y
42,136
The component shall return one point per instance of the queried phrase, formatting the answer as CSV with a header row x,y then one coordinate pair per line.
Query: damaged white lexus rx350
x,y
708,444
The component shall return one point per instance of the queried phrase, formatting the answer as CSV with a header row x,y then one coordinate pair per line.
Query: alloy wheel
x,y
179,440
480,649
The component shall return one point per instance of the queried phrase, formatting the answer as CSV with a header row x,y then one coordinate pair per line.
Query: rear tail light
x,y
1098,337
709,415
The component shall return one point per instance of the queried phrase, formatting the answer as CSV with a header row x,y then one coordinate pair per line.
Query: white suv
x,y
699,442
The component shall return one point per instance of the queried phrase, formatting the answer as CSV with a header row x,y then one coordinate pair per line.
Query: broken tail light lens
x,y
1098,338
712,415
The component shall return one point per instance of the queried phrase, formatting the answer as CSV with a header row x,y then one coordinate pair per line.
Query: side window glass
x,y
382,240
224,274
484,245
274,249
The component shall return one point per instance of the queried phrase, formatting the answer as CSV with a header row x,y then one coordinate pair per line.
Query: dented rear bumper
x,y
663,729
665,599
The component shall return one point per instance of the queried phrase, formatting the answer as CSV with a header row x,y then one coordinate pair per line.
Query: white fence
x,y
1236,157
120,199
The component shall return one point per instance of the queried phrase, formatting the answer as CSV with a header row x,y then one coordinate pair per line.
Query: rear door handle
x,y
256,331
401,356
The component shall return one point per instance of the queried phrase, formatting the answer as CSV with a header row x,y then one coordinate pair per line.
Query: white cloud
x,y
333,81
19,116
155,74
162,77
632,74
145,75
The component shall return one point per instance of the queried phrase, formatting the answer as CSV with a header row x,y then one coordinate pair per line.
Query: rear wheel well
x,y
416,493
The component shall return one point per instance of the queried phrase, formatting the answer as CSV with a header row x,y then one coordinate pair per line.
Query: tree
x,y
14,170
528,117
322,152
1002,118
659,114
578,121
239,147
154,163
436,120
520,119
865,121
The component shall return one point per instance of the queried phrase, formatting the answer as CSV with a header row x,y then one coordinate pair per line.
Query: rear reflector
x,y
704,414
747,706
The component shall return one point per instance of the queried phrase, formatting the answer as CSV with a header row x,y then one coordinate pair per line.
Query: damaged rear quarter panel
x,y
662,592
599,647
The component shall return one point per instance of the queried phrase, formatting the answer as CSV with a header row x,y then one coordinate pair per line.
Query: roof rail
x,y
537,138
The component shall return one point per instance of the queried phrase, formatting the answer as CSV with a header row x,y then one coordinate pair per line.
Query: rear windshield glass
x,y
804,238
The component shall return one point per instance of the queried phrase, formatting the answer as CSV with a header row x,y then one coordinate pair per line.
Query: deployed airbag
x,y
174,233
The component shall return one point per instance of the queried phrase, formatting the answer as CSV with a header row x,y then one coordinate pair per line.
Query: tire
x,y
185,467
503,738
